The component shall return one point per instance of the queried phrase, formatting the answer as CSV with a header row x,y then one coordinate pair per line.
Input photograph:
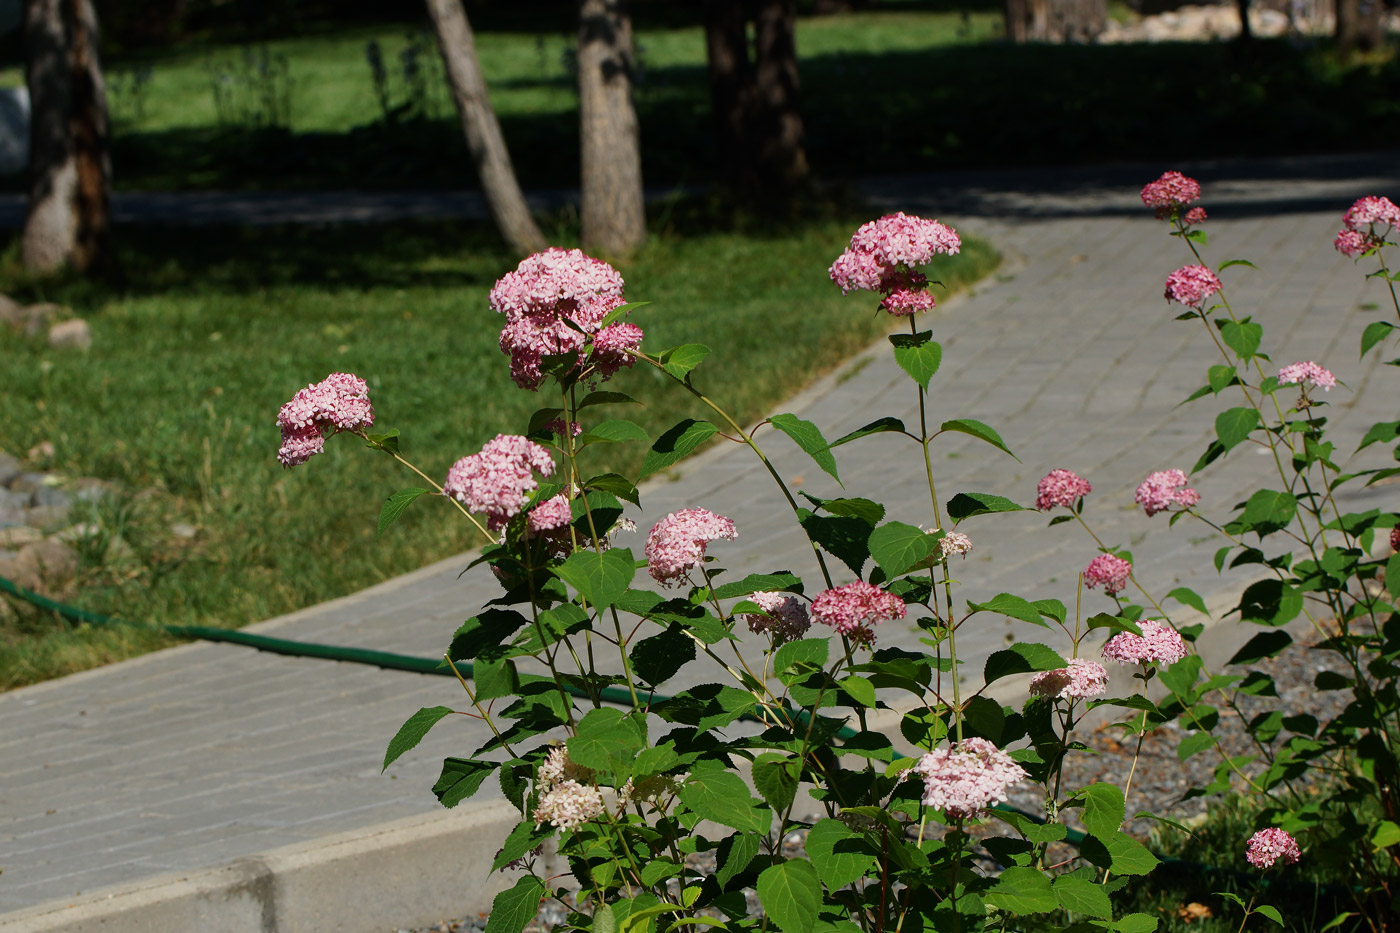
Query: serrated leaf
x,y
1270,912
679,442
679,361
1104,809
802,655
1193,744
918,355
517,906
1221,376
612,317
1242,337
614,432
616,484
723,797
1130,857
863,509
388,441
1082,896
791,895
1135,923
1021,658
1233,427
809,437
1022,890
967,504
837,854
759,583
735,854
860,690
600,578
1270,602
1189,597
608,398
878,426
459,779
1262,645
395,505
1014,606
657,659
1374,333
980,431
1392,576
1380,432
1113,624
412,732
775,780
898,547
523,838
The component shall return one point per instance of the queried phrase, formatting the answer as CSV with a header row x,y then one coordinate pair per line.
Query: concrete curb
x,y
416,870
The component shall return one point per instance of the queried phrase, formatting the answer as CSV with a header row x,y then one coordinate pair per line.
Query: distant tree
x,y
484,140
1055,20
1359,26
755,100
67,223
613,209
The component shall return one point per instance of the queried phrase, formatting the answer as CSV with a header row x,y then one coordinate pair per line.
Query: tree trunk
x,y
69,167
782,160
613,211
1055,20
731,89
1359,26
484,140
1017,20
1246,34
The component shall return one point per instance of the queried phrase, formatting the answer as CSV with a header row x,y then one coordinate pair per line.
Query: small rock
x,y
37,318
9,466
11,311
74,334
51,561
41,451
45,516
52,496
17,536
11,501
183,530
88,489
27,482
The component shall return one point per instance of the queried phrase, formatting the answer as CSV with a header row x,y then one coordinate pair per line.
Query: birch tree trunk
x,y
484,140
67,223
613,210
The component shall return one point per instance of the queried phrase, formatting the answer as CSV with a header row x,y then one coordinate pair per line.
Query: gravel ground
x,y
1158,783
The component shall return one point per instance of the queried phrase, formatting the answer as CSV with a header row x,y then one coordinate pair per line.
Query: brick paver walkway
x,y
204,753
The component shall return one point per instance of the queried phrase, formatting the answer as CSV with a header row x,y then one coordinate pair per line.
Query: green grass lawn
x,y
177,400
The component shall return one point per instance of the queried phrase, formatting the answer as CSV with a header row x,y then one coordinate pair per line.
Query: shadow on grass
x,y
956,106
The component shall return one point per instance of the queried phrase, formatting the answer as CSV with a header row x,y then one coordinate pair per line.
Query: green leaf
x,y
863,509
394,506
760,583
775,779
860,690
1374,333
1135,923
676,443
1188,597
605,739
1380,432
879,426
679,361
1236,262
722,796
918,355
1270,602
1021,658
967,504
978,430
1220,377
1082,896
412,732
1268,510
1022,890
1262,645
515,907
898,547
1386,835
801,656
1196,236
388,441
1113,623
1235,425
1242,337
1013,606
481,633
735,854
847,539
609,398
1270,912
1104,809
1193,744
616,484
614,432
524,837
809,437
791,895
837,853
460,778
600,578
658,658
1392,576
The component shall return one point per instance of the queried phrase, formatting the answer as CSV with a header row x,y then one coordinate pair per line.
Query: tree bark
x,y
613,211
1359,26
731,89
782,159
1055,20
484,140
1017,21
69,166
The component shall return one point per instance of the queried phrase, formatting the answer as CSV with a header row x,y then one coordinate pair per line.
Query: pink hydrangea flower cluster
x,y
855,609
882,257
551,515
1170,193
676,544
1365,226
1269,845
340,402
1060,487
1083,678
1395,539
1163,489
549,289
1192,285
955,542
1306,373
784,616
1158,643
962,779
567,797
496,481
1196,215
1109,571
